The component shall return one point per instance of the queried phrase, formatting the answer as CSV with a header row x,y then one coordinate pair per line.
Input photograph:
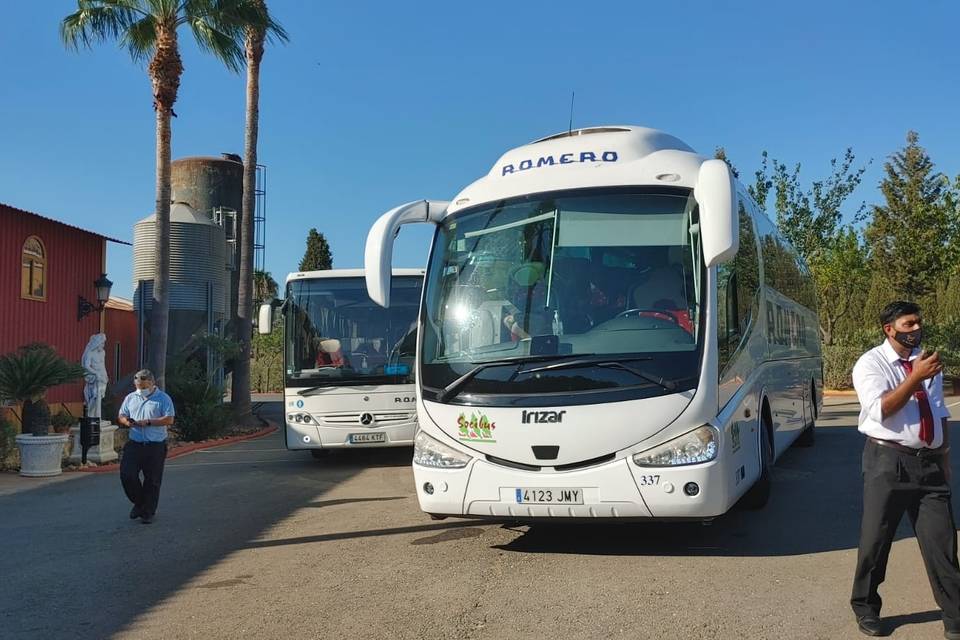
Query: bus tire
x,y
807,436
758,495
320,454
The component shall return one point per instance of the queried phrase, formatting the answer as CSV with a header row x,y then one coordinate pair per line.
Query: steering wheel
x,y
655,313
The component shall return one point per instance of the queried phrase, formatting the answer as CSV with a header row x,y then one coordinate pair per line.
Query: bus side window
x,y
738,283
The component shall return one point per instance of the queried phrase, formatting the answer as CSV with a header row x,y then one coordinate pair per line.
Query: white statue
x,y
93,360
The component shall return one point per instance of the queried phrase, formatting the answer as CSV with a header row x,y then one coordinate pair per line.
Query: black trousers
x,y
895,483
147,458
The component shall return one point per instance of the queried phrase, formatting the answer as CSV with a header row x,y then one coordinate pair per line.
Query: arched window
x,y
33,270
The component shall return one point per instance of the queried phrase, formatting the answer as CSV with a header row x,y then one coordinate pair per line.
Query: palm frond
x,y
27,373
98,21
140,38
224,42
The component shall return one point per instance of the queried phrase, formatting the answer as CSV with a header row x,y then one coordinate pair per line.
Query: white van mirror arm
x,y
378,254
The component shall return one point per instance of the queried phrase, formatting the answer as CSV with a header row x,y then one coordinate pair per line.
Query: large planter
x,y
41,455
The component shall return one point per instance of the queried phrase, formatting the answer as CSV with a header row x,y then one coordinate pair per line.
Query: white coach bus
x,y
610,328
348,363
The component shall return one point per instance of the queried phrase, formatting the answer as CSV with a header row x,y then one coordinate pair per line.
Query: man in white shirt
x,y
906,467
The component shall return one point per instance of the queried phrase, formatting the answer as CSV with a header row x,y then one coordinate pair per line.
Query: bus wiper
x,y
454,387
608,363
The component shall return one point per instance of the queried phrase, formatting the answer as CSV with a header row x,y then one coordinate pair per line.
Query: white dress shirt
x,y
878,372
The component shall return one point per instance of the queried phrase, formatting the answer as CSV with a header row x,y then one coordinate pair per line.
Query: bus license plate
x,y
363,438
543,495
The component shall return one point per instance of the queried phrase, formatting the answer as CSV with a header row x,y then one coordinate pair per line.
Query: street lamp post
x,y
84,307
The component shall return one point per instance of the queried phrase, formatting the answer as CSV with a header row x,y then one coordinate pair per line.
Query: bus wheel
x,y
807,437
759,494
320,454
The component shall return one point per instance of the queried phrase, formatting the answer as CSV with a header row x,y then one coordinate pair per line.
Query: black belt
x,y
922,452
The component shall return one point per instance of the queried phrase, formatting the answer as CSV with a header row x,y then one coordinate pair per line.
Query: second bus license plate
x,y
363,438
549,495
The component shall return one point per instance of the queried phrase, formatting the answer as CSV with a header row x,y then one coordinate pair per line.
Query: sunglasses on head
x,y
141,378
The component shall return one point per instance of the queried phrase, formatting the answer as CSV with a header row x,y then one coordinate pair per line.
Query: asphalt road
x,y
255,541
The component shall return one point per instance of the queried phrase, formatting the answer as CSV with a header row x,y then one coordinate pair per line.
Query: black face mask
x,y
911,339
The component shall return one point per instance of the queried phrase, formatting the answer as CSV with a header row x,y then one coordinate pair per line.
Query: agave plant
x,y
25,376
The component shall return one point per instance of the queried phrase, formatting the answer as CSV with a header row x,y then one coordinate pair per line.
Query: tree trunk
x,y
165,70
35,417
240,392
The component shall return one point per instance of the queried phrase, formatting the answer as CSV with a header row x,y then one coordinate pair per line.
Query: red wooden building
x,y
46,266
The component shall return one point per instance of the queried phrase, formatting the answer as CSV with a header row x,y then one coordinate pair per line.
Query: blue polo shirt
x,y
147,407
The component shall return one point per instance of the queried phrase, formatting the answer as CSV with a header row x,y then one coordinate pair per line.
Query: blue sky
x,y
375,104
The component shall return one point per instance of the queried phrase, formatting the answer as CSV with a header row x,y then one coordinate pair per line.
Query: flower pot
x,y
41,455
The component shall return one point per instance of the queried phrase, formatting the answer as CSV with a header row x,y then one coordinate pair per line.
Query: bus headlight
x,y
428,452
695,447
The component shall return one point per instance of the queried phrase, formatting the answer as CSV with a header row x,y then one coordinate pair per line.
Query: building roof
x,y
31,213
121,304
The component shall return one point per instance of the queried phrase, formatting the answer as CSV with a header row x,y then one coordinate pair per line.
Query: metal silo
x,y
210,184
198,274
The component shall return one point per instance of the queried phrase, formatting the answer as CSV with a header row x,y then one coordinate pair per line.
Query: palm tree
x,y
257,32
25,376
264,287
148,29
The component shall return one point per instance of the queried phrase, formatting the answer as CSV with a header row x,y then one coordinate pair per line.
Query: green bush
x,y
198,401
61,422
8,435
838,361
201,414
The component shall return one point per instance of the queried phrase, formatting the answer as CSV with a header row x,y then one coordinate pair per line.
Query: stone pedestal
x,y
41,455
99,453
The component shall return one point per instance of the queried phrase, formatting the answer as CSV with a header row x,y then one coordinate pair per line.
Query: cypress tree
x,y
317,256
911,234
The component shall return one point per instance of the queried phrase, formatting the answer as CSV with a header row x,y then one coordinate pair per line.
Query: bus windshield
x,y
612,273
336,335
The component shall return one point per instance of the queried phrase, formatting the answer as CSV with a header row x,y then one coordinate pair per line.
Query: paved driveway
x,y
256,541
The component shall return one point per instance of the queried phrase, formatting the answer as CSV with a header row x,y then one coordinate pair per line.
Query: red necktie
x,y
926,415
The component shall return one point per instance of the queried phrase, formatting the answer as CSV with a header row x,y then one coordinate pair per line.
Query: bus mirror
x,y
719,226
265,319
378,254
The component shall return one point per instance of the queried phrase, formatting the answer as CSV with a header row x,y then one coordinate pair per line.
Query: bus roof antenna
x,y
570,127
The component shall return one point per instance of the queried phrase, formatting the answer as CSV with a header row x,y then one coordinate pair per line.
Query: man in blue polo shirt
x,y
148,412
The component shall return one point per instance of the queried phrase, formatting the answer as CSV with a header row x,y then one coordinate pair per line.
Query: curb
x,y
190,448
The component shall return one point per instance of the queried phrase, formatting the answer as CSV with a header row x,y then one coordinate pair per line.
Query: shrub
x,y
62,421
838,361
198,401
8,435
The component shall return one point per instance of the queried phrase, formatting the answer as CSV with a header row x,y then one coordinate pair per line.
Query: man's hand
x,y
926,366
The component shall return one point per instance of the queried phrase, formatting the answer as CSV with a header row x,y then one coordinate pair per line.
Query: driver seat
x,y
663,289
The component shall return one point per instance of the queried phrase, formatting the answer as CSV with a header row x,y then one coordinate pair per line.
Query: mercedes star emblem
x,y
366,419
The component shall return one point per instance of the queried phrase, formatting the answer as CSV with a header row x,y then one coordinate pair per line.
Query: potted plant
x,y
25,376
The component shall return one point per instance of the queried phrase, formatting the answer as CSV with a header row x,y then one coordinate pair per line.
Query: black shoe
x,y
146,518
870,625
135,512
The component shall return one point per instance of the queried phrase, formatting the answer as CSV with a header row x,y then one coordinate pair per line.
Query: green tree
x,y
841,275
148,29
259,27
811,218
721,154
912,235
317,256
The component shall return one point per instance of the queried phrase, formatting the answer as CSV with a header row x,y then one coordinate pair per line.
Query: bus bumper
x,y
313,436
615,490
